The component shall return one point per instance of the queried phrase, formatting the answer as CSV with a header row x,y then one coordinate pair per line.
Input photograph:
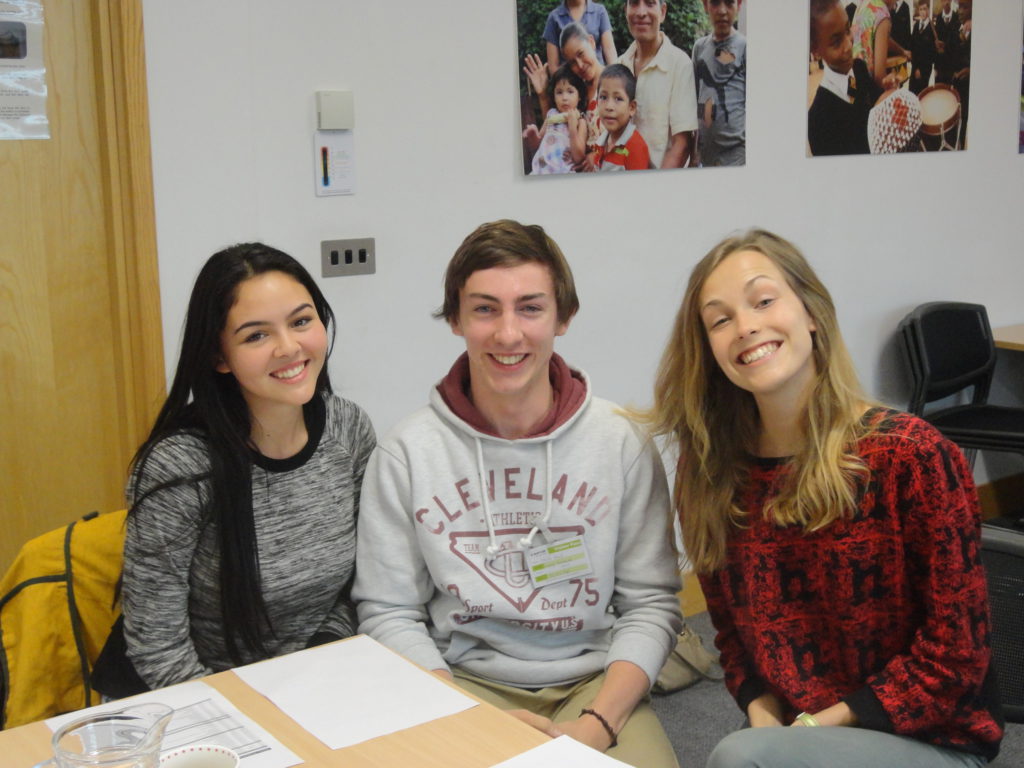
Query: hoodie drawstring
x,y
493,548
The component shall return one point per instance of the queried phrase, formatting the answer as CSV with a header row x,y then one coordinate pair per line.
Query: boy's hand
x,y
587,164
541,723
587,730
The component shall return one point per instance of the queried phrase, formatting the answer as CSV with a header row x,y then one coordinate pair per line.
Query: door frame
x,y
131,217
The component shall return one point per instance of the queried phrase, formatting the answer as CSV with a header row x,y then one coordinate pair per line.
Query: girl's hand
x,y
765,711
536,73
572,117
531,139
837,715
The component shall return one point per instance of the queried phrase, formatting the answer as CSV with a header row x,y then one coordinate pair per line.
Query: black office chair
x,y
949,350
913,365
1002,551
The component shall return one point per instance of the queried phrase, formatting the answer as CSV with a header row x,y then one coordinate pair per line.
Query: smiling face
x,y
758,329
509,319
582,58
723,15
832,41
567,98
645,18
614,106
273,342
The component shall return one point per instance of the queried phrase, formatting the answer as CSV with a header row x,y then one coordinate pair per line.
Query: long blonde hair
x,y
716,424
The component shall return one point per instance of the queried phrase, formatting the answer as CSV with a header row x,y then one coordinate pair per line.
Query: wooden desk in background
x,y
476,738
1009,337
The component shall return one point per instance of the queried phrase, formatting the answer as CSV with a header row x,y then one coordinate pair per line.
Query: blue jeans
x,y
832,747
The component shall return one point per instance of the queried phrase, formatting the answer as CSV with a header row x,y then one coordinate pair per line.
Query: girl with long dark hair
x,y
240,538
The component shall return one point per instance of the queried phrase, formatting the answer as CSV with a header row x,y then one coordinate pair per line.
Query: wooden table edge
x,y
1009,337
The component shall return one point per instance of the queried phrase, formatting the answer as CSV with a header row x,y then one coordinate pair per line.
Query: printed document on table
x,y
202,715
563,752
352,691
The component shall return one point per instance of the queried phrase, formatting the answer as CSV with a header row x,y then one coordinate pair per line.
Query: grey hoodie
x,y
441,575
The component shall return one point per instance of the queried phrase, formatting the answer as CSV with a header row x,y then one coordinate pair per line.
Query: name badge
x,y
557,562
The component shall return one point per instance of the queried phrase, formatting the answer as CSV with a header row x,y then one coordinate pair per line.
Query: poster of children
x,y
631,84
888,76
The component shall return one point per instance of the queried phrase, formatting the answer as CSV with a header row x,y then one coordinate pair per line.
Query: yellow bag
x,y
57,604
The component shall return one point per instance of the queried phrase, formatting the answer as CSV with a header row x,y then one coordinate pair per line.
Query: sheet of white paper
x,y
203,716
563,752
352,691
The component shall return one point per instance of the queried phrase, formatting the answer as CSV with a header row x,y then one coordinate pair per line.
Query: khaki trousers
x,y
642,741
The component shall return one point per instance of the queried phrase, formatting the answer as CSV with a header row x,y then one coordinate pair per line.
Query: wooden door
x,y
81,360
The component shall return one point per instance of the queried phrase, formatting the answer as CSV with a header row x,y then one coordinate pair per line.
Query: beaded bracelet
x,y
806,718
604,724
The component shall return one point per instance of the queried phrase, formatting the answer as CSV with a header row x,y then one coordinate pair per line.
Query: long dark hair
x,y
210,405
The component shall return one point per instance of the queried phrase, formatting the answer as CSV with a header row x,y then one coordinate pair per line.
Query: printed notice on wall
x,y
335,163
22,72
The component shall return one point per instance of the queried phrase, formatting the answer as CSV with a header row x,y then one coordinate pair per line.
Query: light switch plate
x,y
355,256
335,111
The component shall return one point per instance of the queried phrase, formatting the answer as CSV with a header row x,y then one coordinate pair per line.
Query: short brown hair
x,y
507,243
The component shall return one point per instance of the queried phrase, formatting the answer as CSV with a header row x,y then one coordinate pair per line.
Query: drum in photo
x,y
940,118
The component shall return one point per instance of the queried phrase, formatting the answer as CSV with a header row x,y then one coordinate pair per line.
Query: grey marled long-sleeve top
x,y
305,511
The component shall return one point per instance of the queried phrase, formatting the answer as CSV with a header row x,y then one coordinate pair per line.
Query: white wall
x,y
231,86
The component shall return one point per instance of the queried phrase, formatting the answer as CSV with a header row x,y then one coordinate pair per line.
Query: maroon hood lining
x,y
569,392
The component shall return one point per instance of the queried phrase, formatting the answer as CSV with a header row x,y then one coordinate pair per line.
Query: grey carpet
x,y
697,717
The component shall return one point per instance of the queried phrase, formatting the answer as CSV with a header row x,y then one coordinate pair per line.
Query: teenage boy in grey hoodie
x,y
514,533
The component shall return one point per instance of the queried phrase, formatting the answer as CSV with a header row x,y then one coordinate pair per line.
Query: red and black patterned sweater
x,y
887,611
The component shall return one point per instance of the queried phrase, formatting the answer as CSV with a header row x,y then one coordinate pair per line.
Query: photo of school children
x,y
888,76
631,84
